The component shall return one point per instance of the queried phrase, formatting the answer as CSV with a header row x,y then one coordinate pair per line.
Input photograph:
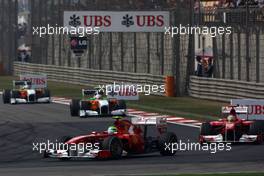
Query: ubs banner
x,y
255,108
109,21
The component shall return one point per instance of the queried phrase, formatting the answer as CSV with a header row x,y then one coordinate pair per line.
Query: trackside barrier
x,y
224,89
88,77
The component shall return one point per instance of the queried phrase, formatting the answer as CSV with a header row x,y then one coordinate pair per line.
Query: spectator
x,y
210,68
199,71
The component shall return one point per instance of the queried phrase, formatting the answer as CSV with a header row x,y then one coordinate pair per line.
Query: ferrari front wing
x,y
219,138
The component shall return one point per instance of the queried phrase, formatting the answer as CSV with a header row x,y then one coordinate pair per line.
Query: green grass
x,y
179,106
224,174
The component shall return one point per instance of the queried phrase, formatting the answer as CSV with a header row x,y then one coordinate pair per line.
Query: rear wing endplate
x,y
238,109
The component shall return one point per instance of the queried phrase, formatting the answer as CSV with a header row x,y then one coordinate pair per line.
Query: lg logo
x,y
78,43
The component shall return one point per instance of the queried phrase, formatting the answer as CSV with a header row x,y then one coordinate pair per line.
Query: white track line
x,y
1,93
171,119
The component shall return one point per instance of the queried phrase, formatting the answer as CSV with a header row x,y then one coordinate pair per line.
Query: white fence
x,y
88,77
224,89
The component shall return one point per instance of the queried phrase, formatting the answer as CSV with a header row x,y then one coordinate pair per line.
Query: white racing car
x,y
23,93
94,103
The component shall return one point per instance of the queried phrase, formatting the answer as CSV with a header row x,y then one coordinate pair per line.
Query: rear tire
x,y
166,139
6,96
114,145
75,107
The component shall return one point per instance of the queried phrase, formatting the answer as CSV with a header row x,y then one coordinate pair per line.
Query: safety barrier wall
x,y
224,89
88,77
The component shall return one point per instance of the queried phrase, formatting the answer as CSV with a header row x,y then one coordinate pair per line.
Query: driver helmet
x,y
231,118
25,86
233,112
112,130
97,96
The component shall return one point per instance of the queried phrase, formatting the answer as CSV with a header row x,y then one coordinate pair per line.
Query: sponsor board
x,y
113,21
255,108
37,80
122,92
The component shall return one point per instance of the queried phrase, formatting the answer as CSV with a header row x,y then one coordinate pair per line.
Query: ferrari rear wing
x,y
238,109
153,120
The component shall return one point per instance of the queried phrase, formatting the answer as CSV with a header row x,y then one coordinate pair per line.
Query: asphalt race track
x,y
21,125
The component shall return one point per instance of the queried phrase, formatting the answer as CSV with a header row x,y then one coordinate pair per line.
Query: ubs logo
x,y
75,21
127,20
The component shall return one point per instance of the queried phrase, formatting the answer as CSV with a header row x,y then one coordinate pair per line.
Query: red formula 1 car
x,y
231,128
123,138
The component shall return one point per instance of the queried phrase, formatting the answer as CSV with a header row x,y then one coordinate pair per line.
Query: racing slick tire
x,y
256,128
75,107
207,129
14,94
167,139
114,145
6,96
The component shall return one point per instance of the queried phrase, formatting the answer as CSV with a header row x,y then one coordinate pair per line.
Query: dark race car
x,y
231,128
94,103
123,138
22,92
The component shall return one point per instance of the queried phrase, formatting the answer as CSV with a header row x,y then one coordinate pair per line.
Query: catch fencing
x,y
239,56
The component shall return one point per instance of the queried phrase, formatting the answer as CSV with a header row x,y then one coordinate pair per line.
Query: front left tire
x,y
114,145
165,140
75,107
6,96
